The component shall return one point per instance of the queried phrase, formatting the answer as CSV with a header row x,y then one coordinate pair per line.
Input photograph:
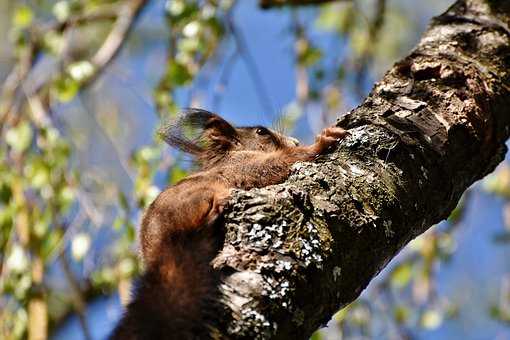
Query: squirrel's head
x,y
210,138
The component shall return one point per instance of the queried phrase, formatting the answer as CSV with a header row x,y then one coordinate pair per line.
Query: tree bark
x,y
296,252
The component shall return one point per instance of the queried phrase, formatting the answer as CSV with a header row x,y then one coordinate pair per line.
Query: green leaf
x,y
336,17
456,214
310,56
431,319
127,267
401,275
5,193
191,29
66,196
80,246
40,227
23,17
20,137
66,88
53,42
80,71
20,323
18,259
61,10
178,73
151,193
328,19
118,223
177,173
51,242
401,314
175,7
317,335
38,173
149,153
189,45
123,201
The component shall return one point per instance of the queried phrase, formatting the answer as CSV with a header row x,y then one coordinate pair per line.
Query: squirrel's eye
x,y
262,131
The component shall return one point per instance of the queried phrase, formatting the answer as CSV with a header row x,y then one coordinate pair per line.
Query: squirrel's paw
x,y
330,136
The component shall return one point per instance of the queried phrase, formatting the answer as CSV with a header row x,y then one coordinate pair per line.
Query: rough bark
x,y
297,252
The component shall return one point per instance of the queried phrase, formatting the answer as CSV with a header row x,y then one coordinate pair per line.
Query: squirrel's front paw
x,y
330,136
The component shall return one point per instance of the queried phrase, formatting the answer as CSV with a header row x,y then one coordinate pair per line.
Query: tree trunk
x,y
297,252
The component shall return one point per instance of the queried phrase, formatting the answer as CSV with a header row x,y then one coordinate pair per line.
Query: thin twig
x,y
115,147
13,81
103,13
251,65
224,80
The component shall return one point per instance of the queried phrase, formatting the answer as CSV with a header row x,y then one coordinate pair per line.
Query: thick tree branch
x,y
297,252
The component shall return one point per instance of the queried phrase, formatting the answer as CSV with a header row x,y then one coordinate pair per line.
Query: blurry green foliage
x,y
45,198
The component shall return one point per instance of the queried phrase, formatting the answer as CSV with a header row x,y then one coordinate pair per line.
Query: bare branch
x,y
118,34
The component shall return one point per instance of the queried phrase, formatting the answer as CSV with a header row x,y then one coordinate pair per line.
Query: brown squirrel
x,y
177,296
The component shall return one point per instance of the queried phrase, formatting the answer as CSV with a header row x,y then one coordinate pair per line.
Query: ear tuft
x,y
196,127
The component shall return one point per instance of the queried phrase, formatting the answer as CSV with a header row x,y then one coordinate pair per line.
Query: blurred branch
x,y
224,80
125,18
38,304
26,62
115,40
88,292
18,91
251,65
117,150
367,55
18,74
103,13
302,83
79,303
265,4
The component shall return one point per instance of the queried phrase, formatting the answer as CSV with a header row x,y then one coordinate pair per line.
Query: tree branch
x,y
118,34
297,252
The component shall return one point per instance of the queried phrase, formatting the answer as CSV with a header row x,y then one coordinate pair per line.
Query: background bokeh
x,y
80,159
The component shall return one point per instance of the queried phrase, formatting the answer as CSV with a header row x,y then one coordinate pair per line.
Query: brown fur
x,y
177,295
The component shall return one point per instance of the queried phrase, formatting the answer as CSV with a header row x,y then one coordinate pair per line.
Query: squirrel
x,y
177,296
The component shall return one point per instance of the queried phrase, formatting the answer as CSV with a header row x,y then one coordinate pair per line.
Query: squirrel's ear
x,y
219,132
216,131
196,127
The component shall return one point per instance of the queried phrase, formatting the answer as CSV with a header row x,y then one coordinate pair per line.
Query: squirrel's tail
x,y
177,297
